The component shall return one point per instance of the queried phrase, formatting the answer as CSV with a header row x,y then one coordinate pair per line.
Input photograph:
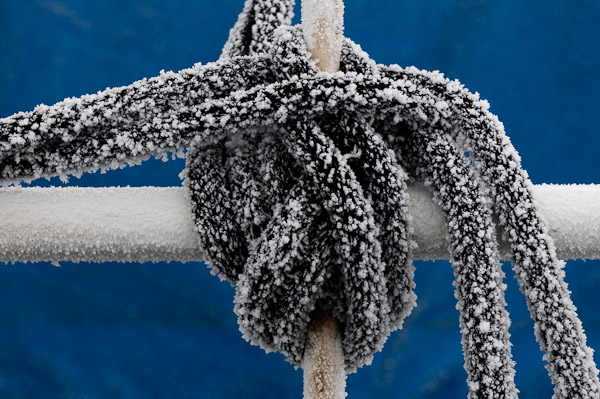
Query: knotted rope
x,y
297,181
312,212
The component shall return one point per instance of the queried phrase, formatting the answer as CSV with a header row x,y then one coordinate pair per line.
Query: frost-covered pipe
x,y
153,224
323,27
572,213
149,224
323,364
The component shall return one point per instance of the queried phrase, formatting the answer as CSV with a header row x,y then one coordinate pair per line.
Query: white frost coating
x,y
153,224
97,225
573,215
323,28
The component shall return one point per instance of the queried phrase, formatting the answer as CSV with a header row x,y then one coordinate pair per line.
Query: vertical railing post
x,y
324,368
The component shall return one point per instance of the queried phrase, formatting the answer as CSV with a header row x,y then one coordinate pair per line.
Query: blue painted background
x,y
168,330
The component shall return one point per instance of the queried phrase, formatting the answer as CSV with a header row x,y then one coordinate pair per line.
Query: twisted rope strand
x,y
478,273
540,274
118,126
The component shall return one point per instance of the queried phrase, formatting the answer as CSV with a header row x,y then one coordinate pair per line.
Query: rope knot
x,y
310,213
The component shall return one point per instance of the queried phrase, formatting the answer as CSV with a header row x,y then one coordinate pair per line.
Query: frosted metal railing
x,y
154,224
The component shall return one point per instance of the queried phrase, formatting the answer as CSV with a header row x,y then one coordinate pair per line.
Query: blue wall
x,y
168,330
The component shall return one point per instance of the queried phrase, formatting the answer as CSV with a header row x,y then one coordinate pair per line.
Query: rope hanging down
x,y
298,182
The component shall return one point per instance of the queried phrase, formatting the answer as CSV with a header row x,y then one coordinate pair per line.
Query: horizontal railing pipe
x,y
153,224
